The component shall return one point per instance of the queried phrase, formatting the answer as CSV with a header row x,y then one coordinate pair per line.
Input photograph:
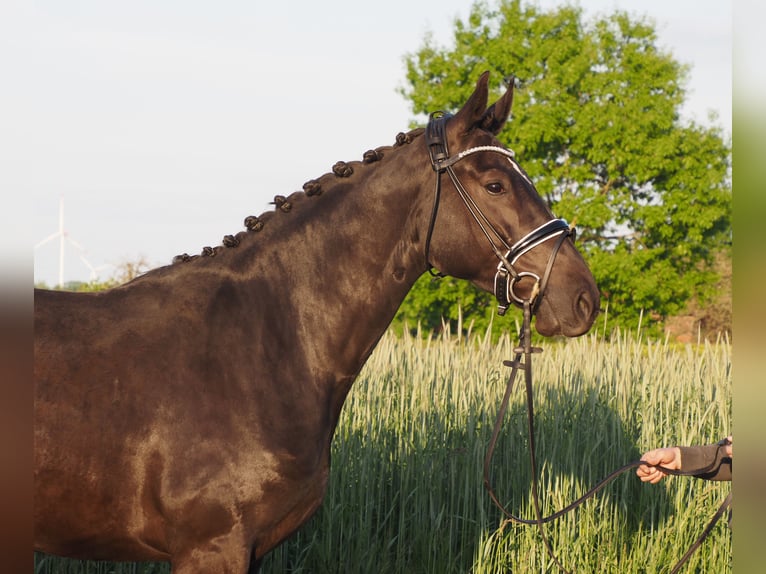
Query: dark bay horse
x,y
187,416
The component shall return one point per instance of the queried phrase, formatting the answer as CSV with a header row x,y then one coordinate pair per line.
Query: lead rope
x,y
526,347
526,350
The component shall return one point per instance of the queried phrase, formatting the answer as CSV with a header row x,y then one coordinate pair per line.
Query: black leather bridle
x,y
506,276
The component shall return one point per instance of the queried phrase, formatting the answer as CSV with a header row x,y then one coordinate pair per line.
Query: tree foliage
x,y
596,124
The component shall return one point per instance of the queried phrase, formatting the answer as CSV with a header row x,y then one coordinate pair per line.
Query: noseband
x,y
507,276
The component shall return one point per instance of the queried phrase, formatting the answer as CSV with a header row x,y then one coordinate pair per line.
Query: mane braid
x,y
312,188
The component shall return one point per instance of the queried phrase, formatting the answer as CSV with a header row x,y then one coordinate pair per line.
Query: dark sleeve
x,y
710,459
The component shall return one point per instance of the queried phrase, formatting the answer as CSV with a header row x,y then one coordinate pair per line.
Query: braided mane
x,y
312,188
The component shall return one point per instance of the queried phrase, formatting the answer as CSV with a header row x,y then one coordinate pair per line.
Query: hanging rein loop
x,y
526,350
507,277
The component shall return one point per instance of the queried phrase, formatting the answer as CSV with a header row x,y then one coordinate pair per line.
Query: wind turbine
x,y
63,237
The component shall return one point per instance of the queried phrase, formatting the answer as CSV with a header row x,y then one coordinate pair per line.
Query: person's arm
x,y
714,459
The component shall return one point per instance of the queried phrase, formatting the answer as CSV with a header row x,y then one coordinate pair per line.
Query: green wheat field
x,y
406,493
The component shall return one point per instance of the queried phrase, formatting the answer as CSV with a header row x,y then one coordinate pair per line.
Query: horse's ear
x,y
495,117
473,110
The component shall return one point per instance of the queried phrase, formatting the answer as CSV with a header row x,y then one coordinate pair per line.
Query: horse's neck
x,y
337,266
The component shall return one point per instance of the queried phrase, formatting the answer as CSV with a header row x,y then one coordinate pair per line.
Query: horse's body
x,y
187,415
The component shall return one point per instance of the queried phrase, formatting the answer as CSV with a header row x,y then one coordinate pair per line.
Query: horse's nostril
x,y
585,307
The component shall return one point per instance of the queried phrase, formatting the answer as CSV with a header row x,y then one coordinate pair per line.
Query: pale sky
x,y
163,123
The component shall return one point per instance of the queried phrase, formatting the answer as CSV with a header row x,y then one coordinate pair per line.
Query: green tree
x,y
596,125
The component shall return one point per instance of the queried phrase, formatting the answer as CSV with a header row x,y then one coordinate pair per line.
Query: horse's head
x,y
490,225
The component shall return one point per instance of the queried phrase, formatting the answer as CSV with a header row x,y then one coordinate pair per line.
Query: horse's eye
x,y
495,188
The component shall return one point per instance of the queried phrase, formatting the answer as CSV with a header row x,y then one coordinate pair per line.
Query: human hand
x,y
727,445
669,457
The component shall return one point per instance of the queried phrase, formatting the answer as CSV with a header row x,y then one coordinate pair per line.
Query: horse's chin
x,y
549,326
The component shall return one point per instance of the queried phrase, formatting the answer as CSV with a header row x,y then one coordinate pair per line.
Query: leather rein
x,y
526,350
506,279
